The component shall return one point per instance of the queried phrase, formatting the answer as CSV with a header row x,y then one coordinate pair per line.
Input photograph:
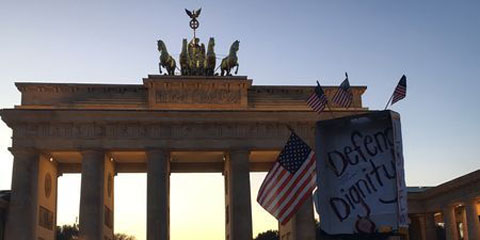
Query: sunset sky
x,y
434,42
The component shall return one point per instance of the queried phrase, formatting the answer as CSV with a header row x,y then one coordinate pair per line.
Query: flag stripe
x,y
295,206
277,188
292,186
317,100
308,184
283,184
270,180
291,180
274,188
401,90
306,195
293,192
343,97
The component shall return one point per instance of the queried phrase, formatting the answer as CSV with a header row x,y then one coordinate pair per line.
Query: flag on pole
x,y
401,90
317,101
343,97
290,181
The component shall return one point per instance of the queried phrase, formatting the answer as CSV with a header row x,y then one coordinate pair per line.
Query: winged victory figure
x,y
194,13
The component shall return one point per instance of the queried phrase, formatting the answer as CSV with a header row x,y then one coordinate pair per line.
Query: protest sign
x,y
360,174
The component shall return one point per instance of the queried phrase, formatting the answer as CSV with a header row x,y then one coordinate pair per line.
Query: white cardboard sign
x,y
360,174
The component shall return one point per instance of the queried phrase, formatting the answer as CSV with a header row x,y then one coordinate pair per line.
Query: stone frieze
x,y
265,130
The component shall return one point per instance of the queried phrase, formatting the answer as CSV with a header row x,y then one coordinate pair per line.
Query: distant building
x,y
447,211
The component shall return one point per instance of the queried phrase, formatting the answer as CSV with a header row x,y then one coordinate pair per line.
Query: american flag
x,y
401,90
317,101
290,182
343,97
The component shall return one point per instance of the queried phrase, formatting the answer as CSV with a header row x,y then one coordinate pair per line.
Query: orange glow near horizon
x,y
197,205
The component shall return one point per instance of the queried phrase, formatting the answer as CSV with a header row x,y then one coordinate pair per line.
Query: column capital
x,y
156,152
234,150
153,149
238,151
472,201
21,151
449,207
92,152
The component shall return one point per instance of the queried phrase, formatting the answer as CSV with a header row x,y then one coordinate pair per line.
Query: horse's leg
x,y
160,67
236,71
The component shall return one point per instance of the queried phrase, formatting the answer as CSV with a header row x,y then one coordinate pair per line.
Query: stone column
x,y
302,224
92,195
22,217
158,195
473,224
423,227
451,230
430,227
238,205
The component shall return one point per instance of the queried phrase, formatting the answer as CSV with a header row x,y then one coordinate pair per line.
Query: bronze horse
x,y
231,60
166,61
211,58
184,59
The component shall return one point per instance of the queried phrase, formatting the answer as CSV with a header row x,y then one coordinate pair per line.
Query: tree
x,y
70,232
121,236
268,235
67,232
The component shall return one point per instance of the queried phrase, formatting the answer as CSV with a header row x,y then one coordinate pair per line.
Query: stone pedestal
x,y
451,230
158,227
238,205
302,224
22,218
473,224
92,216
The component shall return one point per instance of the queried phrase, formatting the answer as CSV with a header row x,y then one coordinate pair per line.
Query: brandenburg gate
x,y
166,125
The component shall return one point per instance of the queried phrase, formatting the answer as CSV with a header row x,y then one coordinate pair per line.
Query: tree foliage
x,y
268,235
70,232
121,236
67,232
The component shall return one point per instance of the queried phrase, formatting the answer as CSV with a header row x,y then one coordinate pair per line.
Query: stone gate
x,y
167,124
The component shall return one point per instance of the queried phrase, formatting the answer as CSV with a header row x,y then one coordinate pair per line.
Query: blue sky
x,y
435,43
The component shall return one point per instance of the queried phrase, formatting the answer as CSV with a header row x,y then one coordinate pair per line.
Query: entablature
x,y
161,92
140,129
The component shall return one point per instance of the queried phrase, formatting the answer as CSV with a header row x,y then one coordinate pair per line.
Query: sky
x,y
434,42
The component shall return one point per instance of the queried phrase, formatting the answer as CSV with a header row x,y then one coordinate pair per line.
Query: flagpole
x,y
290,128
328,105
390,99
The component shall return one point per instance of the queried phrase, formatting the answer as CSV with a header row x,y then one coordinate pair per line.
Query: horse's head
x,y
211,43
184,44
161,45
235,46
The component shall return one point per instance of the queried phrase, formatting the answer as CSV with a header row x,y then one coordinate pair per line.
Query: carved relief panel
x,y
198,93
